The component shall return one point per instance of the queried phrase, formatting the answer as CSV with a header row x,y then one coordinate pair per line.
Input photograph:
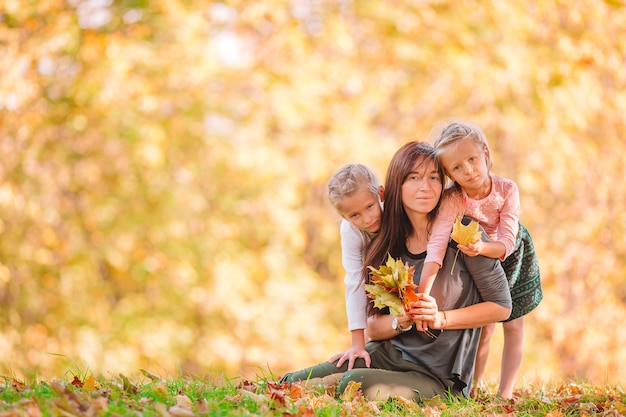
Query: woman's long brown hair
x,y
395,224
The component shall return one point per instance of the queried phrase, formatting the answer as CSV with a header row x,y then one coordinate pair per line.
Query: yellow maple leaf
x,y
383,298
465,235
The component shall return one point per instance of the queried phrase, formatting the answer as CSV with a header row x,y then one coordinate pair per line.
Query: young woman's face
x,y
362,209
422,188
466,163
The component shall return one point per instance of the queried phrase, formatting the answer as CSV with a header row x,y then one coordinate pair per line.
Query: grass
x,y
217,396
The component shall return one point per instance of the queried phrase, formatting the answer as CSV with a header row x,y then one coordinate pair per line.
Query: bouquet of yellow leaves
x,y
392,286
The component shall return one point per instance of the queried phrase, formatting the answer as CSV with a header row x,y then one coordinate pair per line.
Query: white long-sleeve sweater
x,y
353,242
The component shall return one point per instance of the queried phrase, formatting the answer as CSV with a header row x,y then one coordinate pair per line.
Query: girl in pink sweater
x,y
494,202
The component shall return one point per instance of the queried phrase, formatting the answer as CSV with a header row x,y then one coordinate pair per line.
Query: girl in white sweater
x,y
357,195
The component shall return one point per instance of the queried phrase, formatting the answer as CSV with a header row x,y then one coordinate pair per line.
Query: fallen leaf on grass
x,y
179,411
77,382
128,386
67,400
352,391
409,405
18,386
434,402
256,397
89,384
152,376
571,400
184,402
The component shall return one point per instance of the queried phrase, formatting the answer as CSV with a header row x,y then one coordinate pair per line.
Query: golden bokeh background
x,y
164,164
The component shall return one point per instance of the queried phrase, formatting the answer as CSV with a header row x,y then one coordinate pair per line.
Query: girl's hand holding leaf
x,y
472,249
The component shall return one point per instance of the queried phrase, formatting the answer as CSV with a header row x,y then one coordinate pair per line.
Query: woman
x,y
405,361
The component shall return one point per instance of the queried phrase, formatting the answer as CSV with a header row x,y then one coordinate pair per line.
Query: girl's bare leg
x,y
511,355
482,354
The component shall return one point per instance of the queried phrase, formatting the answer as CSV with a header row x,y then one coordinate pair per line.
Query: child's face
x,y
466,163
362,209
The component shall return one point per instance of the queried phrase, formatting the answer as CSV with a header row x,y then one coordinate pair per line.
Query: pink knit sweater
x,y
498,214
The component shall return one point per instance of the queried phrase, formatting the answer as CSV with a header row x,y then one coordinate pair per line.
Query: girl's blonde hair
x,y
457,131
349,179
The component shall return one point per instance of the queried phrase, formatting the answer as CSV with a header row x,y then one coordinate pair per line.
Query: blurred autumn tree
x,y
164,163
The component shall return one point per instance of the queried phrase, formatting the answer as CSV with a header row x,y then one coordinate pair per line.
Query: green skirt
x,y
522,272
